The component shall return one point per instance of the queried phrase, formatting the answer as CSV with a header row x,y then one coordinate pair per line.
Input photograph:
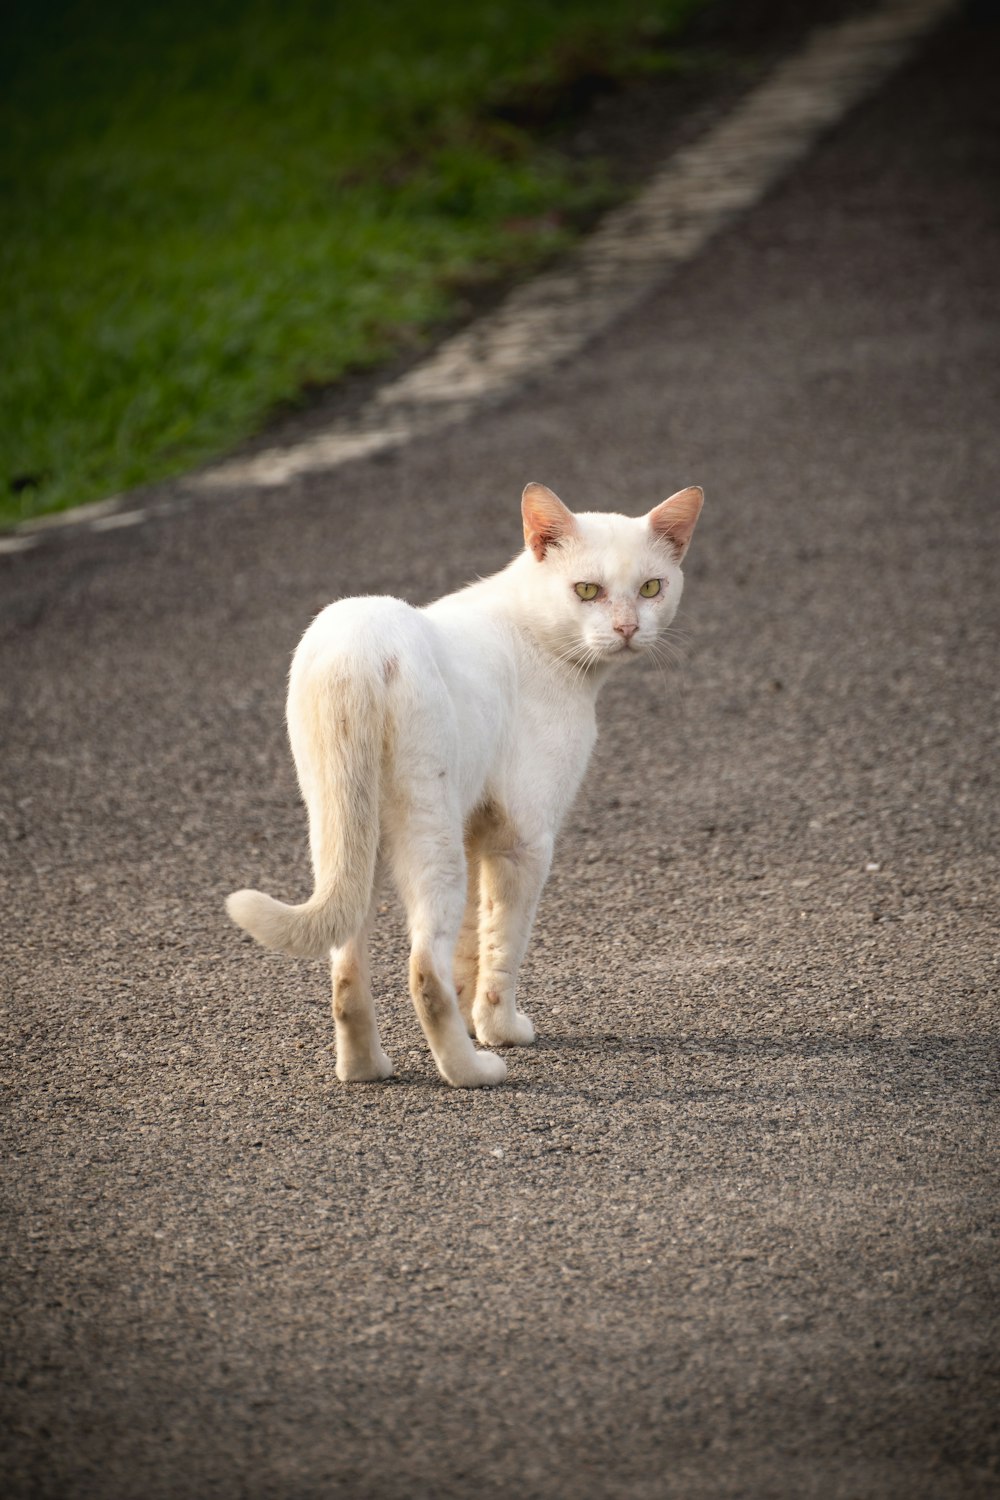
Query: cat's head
x,y
608,585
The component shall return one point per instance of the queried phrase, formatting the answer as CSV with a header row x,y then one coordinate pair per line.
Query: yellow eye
x,y
650,588
588,590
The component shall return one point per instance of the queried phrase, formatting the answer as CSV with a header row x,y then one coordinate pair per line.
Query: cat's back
x,y
451,641
444,677
357,632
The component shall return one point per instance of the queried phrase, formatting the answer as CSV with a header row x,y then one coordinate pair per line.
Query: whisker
x,y
570,657
665,650
671,666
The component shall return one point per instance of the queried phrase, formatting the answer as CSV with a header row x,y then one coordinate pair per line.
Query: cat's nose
x,y
626,629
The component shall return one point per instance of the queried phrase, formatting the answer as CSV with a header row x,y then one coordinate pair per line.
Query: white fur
x,y
443,747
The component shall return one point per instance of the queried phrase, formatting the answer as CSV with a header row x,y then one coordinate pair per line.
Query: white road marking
x,y
119,519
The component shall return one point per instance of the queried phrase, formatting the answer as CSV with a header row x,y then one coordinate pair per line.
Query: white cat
x,y
443,746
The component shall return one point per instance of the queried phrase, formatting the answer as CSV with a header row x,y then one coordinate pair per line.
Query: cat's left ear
x,y
674,520
546,519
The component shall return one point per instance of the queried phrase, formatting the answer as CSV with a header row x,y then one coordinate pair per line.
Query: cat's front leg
x,y
511,883
467,947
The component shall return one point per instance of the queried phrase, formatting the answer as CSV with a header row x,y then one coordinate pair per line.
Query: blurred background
x,y
213,211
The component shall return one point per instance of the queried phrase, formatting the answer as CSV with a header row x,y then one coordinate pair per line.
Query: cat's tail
x,y
337,725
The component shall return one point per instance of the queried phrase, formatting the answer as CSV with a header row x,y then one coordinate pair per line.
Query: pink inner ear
x,y
546,519
675,519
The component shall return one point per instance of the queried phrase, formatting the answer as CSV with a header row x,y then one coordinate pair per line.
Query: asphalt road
x,y
730,1227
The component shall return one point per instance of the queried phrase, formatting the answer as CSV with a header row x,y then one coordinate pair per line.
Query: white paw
x,y
368,1069
480,1071
504,1030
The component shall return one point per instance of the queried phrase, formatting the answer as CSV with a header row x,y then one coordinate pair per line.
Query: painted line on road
x,y
702,188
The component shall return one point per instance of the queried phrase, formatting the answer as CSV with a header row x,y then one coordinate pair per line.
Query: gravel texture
x,y
730,1227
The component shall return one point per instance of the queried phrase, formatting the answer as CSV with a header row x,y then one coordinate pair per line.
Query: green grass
x,y
207,209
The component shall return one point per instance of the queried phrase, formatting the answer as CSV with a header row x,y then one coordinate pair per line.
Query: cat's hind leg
x,y
512,880
360,1057
430,871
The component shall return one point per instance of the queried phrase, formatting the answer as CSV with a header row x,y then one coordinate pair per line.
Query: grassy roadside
x,y
208,208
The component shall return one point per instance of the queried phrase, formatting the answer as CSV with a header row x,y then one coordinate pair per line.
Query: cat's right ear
x,y
546,519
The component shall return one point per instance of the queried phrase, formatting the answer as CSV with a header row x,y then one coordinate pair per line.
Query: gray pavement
x,y
730,1229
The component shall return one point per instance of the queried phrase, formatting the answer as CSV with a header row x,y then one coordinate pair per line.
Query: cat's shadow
x,y
681,1044
686,1068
